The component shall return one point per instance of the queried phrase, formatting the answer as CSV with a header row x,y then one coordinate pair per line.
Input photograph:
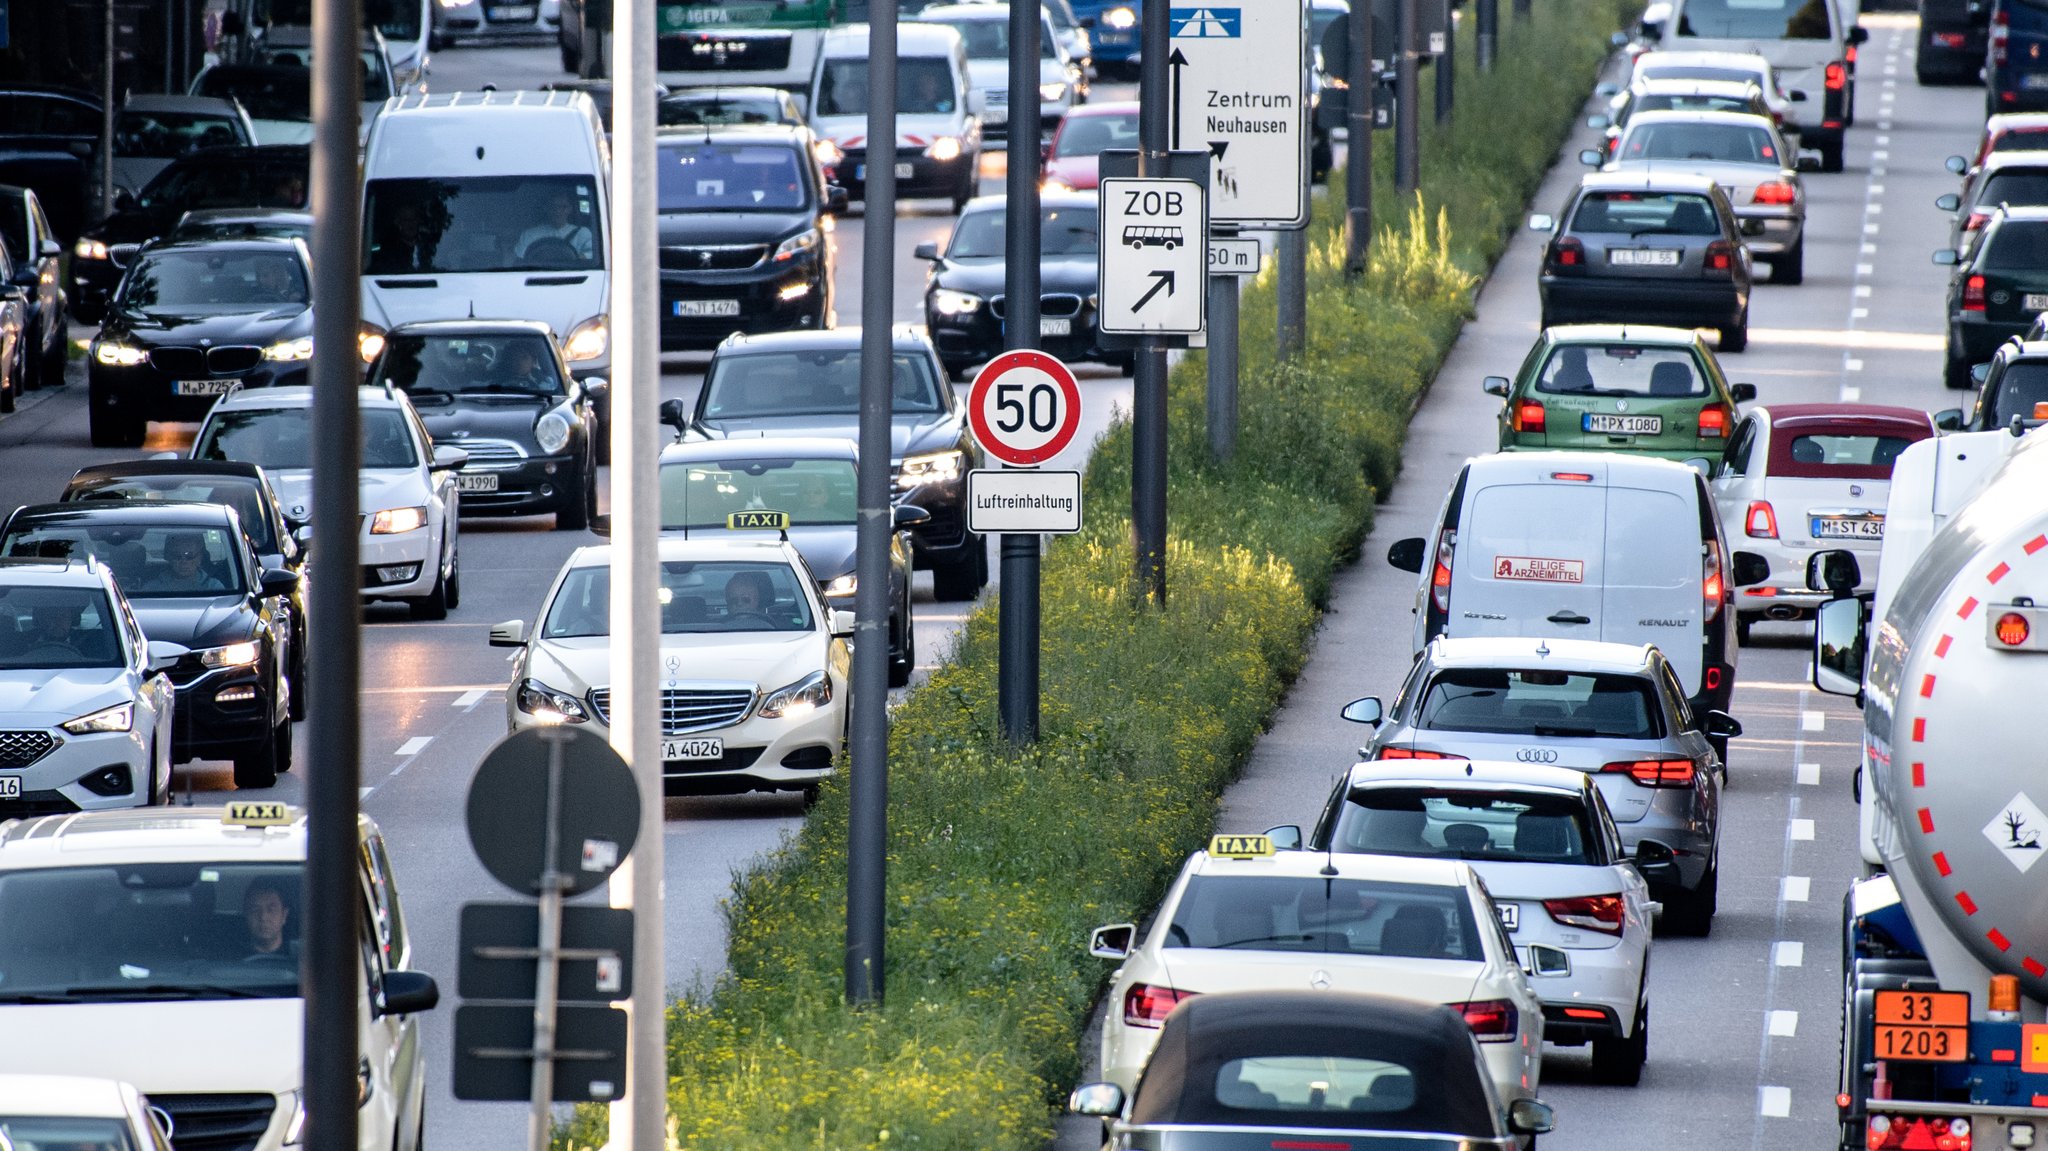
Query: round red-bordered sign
x,y
1025,407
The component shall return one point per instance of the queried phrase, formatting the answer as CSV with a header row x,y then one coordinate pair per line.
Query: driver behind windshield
x,y
265,914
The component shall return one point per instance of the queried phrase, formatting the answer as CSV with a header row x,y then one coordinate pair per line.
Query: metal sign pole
x,y
1447,71
1407,101
1364,80
1488,37
548,973
868,828
1223,362
331,967
107,117
1293,293
1148,401
1017,625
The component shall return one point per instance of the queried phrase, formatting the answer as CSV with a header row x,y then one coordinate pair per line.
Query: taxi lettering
x,y
1241,846
256,813
765,520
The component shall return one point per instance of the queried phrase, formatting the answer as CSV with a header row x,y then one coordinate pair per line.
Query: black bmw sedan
x,y
192,322
192,579
963,296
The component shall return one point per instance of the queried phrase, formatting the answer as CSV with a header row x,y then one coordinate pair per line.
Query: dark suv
x,y
2000,284
2014,386
1953,37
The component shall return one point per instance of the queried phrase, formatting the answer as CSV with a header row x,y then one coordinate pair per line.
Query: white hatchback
x,y
1244,917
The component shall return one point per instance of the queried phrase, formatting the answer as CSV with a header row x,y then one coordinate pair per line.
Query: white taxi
x,y
755,667
78,1112
1243,917
137,939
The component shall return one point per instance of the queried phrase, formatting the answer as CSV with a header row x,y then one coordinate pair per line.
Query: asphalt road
x,y
1745,1023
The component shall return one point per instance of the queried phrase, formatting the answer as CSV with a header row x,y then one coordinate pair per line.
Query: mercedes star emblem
x,y
673,663
1320,981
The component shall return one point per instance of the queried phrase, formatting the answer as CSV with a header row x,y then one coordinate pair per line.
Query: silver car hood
x,y
44,698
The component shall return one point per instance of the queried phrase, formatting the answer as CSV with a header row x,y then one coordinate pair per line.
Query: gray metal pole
x,y
1447,73
1364,83
1293,294
330,957
1017,625
1488,37
638,1121
1148,400
1407,102
1223,367
107,118
868,830
547,977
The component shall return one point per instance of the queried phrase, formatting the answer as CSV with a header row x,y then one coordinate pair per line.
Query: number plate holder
x,y
1060,326
1922,1026
692,748
205,387
2035,301
10,787
1848,527
1643,257
1600,423
485,482
701,308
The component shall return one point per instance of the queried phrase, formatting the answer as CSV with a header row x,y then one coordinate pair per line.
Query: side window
x,y
1674,698
1739,448
1411,689
387,920
1608,834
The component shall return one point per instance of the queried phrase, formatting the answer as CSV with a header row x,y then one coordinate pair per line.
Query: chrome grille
x,y
490,455
216,1122
233,359
184,363
688,709
713,257
1053,305
21,748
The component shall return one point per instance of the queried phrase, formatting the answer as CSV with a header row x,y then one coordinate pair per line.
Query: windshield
x,y
2017,188
1687,140
208,183
731,178
241,230
1328,916
214,282
148,562
2020,387
430,367
1543,703
150,931
282,438
237,492
1699,72
821,383
1061,232
64,1133
1755,19
696,599
1453,824
1646,214
1619,370
46,628
165,135
274,92
2020,140
482,224
924,87
1089,135
812,492
718,110
990,39
1661,102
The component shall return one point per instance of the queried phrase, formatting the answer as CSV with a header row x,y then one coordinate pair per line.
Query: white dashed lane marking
x,y
1795,888
1774,1102
1802,830
1818,720
1788,953
470,698
1781,1024
415,745
1809,774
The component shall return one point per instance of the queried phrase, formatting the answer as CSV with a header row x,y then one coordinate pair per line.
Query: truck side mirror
x,y
1407,554
1838,642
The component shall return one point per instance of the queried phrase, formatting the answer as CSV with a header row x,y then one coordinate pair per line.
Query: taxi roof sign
x,y
758,520
256,813
1240,846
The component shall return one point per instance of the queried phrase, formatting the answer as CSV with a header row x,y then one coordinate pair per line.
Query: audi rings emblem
x,y
1536,755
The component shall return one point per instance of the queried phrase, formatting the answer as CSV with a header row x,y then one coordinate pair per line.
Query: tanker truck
x,y
1945,954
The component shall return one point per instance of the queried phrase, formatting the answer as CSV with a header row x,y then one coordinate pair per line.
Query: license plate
x,y
692,749
204,387
10,787
1643,257
903,171
511,13
707,307
2035,301
482,483
1848,527
1510,915
2034,80
1623,425
1059,327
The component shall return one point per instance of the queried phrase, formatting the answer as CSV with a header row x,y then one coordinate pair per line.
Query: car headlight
x,y
290,351
369,341
947,302
552,432
828,153
804,241
295,1131
120,717
589,339
843,586
935,468
1120,18
800,698
233,655
944,148
1055,184
1052,91
120,355
548,705
397,521
90,249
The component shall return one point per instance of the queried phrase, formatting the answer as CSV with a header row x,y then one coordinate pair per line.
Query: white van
x,y
1583,545
938,113
1811,45
489,205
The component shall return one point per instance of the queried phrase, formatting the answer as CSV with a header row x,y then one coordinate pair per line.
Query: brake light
x,y
1885,1133
1720,256
1710,581
1440,576
1147,1005
2001,33
1973,294
1713,677
1491,1020
1837,76
1601,913
1414,753
1658,772
1774,192
1567,252
1713,422
2013,629
1574,477
1762,521
1852,55
1527,416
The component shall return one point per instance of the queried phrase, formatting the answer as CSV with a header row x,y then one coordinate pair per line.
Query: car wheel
x,y
903,660
434,604
31,359
1831,157
574,515
954,580
572,59
1955,374
454,594
256,763
1736,338
1692,912
283,738
112,429
1742,623
1620,1061
1790,268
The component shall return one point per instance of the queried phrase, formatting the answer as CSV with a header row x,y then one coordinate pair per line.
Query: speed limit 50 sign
x,y
1024,407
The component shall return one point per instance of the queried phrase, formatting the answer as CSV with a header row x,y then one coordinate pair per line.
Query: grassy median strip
x,y
999,863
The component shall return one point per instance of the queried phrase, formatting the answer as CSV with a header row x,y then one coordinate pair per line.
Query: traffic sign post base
x,y
1223,367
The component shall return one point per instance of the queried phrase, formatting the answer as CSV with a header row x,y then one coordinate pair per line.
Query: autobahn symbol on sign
x,y
1154,255
1237,77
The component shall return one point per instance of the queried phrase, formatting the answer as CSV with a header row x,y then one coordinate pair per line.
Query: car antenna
x,y
188,789
472,308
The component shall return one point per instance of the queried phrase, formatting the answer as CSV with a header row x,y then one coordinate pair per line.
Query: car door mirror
x,y
1742,393
1947,257
1956,164
1406,554
1858,35
124,200
601,524
1599,121
1286,837
1980,372
278,581
1592,157
450,459
1495,386
928,250
1834,570
595,388
1113,941
909,516
1656,863
671,413
303,536
841,622
1808,160
1102,1100
1949,202
1542,223
1749,568
164,655
511,633
1948,420
1838,638
1606,88
1722,725
1531,1117
1365,710
407,992
836,200
50,250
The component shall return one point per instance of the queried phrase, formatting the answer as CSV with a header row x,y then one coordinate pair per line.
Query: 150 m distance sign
x,y
1025,409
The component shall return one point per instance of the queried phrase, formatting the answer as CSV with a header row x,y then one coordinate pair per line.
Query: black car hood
x,y
500,417
286,322
908,434
697,229
984,277
200,621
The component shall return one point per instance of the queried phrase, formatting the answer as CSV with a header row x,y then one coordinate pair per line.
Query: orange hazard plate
x,y
1922,1026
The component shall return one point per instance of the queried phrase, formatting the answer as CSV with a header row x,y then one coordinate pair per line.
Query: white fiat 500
x,y
1243,917
754,666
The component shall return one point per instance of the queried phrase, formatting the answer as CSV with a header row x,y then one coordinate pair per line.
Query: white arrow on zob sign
x,y
1155,252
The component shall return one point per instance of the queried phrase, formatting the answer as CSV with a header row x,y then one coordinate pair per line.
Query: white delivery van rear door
x,y
1654,568
1529,561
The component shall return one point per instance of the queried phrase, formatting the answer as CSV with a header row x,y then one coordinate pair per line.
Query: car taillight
x,y
1710,581
1527,416
1567,252
1837,76
1762,521
1886,1133
1146,1005
1440,576
1774,192
1414,753
1852,56
1659,772
1720,256
1601,913
1973,294
1713,422
1491,1020
2001,32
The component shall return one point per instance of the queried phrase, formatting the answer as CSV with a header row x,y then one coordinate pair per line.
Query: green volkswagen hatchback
x,y
1624,388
